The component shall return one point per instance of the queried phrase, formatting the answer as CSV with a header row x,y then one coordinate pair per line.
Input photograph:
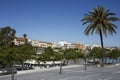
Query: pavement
x,y
38,69
70,72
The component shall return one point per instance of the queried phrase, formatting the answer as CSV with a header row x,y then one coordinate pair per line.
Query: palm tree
x,y
101,21
25,37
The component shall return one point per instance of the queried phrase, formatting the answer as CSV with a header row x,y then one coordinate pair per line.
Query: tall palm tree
x,y
25,37
101,21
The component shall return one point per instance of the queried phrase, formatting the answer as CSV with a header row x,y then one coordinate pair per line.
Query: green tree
x,y
95,53
47,55
24,52
57,56
7,55
71,54
101,21
114,54
85,55
106,54
7,35
10,53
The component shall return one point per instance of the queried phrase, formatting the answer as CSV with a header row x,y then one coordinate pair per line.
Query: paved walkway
x,y
71,72
38,69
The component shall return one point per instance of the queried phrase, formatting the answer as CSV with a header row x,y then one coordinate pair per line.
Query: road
x,y
73,73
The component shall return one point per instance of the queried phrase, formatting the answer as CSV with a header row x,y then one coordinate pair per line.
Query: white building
x,y
95,46
55,45
34,43
87,46
64,44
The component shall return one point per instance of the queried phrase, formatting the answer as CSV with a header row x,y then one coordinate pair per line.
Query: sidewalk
x,y
38,69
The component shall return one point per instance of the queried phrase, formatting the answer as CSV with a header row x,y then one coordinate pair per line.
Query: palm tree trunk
x,y
101,39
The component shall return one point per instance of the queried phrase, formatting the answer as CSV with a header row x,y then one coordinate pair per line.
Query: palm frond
x,y
111,28
92,30
100,19
113,19
85,22
109,14
88,29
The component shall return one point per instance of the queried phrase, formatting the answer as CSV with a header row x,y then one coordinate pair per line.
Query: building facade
x,y
19,41
77,46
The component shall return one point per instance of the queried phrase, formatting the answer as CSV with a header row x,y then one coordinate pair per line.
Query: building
x,y
19,41
67,45
64,44
49,44
34,43
40,44
87,47
77,45
55,45
95,46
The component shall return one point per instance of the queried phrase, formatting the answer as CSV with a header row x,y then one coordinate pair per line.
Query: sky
x,y
56,20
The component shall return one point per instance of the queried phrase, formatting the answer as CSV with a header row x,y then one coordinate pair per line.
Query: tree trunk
x,y
22,64
105,60
85,59
94,60
101,39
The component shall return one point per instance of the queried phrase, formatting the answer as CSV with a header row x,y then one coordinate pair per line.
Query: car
x,y
7,71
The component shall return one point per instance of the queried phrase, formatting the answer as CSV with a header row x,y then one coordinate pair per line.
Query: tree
x,y
72,54
24,52
25,37
85,54
106,54
9,52
7,35
7,56
101,21
114,55
47,55
95,53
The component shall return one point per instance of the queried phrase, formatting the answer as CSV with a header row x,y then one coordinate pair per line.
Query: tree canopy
x,y
7,35
11,53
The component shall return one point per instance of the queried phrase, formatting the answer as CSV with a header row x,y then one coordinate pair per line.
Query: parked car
x,y
7,71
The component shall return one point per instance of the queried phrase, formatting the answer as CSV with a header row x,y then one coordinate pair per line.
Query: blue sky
x,y
55,20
